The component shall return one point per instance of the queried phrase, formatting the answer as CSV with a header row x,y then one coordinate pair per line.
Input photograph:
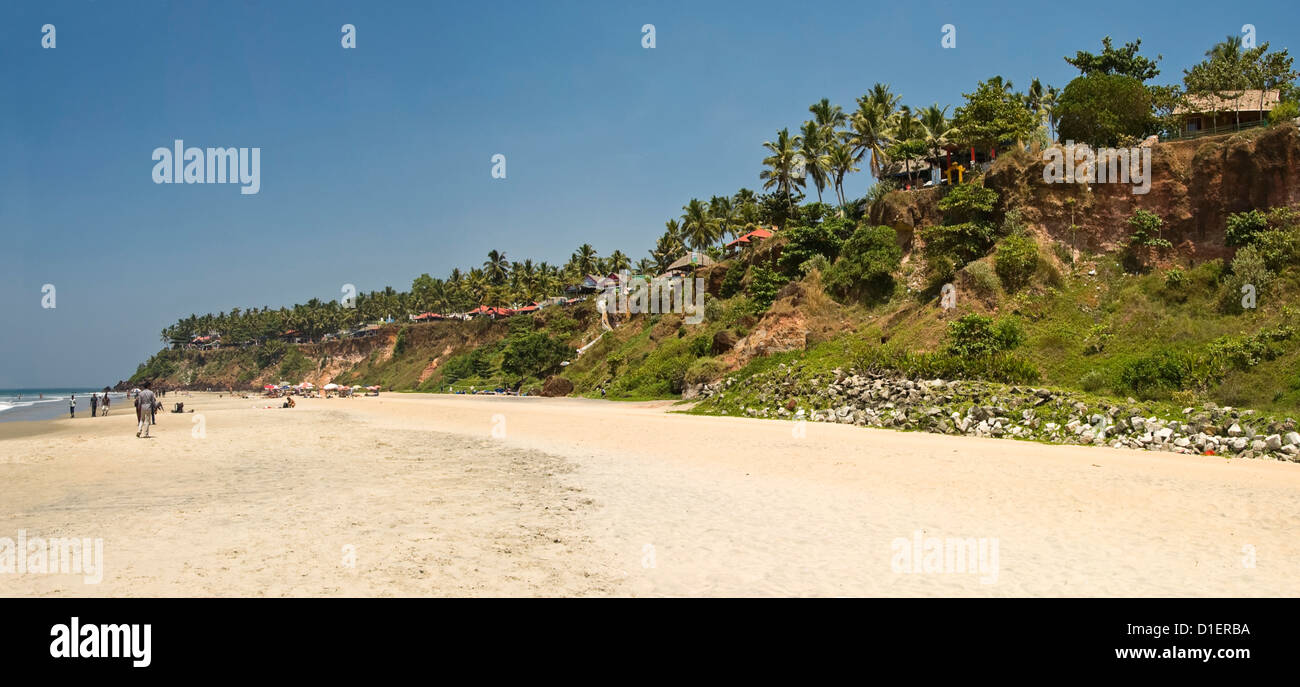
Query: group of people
x,y
146,408
98,405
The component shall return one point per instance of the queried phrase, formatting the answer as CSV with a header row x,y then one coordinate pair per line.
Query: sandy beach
x,y
420,495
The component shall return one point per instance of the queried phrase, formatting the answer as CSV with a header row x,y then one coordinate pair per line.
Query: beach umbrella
x,y
307,385
330,387
269,386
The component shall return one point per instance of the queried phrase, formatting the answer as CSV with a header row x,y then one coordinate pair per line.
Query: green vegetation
x,y
1105,110
1016,261
865,269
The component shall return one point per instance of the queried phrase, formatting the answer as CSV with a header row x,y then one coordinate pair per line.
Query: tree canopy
x,y
1124,62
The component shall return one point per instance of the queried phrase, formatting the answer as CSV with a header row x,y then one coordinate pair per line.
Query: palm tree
x,y
1048,109
905,128
496,267
699,227
881,96
782,164
841,163
724,213
936,128
618,261
829,117
645,266
816,162
584,259
746,204
868,133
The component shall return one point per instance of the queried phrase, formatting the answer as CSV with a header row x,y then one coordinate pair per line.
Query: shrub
x,y
968,203
704,370
978,335
1096,339
1243,226
1278,248
701,346
731,282
940,269
1284,112
982,278
1156,375
533,354
877,191
1147,227
1093,381
817,262
805,243
764,285
866,265
1174,278
1016,261
294,365
1248,268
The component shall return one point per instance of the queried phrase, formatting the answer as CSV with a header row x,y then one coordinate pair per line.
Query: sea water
x,y
18,405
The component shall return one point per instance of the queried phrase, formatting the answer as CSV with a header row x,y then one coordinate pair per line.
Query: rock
x,y
1273,442
557,386
1235,430
1293,438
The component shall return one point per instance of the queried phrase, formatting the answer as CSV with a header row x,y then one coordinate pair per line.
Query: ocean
x,y
20,405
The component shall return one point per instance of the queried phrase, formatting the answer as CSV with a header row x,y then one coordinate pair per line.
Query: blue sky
x,y
375,163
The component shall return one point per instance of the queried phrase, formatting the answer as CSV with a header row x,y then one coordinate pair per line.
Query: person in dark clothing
x,y
94,405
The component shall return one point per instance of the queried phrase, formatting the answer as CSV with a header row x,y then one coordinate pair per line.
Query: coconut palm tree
x,y
585,260
906,130
841,163
829,117
868,133
783,164
700,229
746,204
816,162
724,213
496,267
618,261
936,128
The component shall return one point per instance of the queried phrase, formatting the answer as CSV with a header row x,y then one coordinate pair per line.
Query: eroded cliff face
x,y
1195,185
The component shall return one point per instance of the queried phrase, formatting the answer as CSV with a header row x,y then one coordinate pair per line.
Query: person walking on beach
x,y
94,405
144,410
104,404
72,406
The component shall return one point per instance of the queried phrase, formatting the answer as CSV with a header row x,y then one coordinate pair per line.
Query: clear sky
x,y
376,161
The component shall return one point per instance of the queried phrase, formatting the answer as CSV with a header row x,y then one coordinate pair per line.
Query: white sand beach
x,y
413,495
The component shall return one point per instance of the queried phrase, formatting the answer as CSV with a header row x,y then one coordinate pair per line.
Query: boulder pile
x,y
986,409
